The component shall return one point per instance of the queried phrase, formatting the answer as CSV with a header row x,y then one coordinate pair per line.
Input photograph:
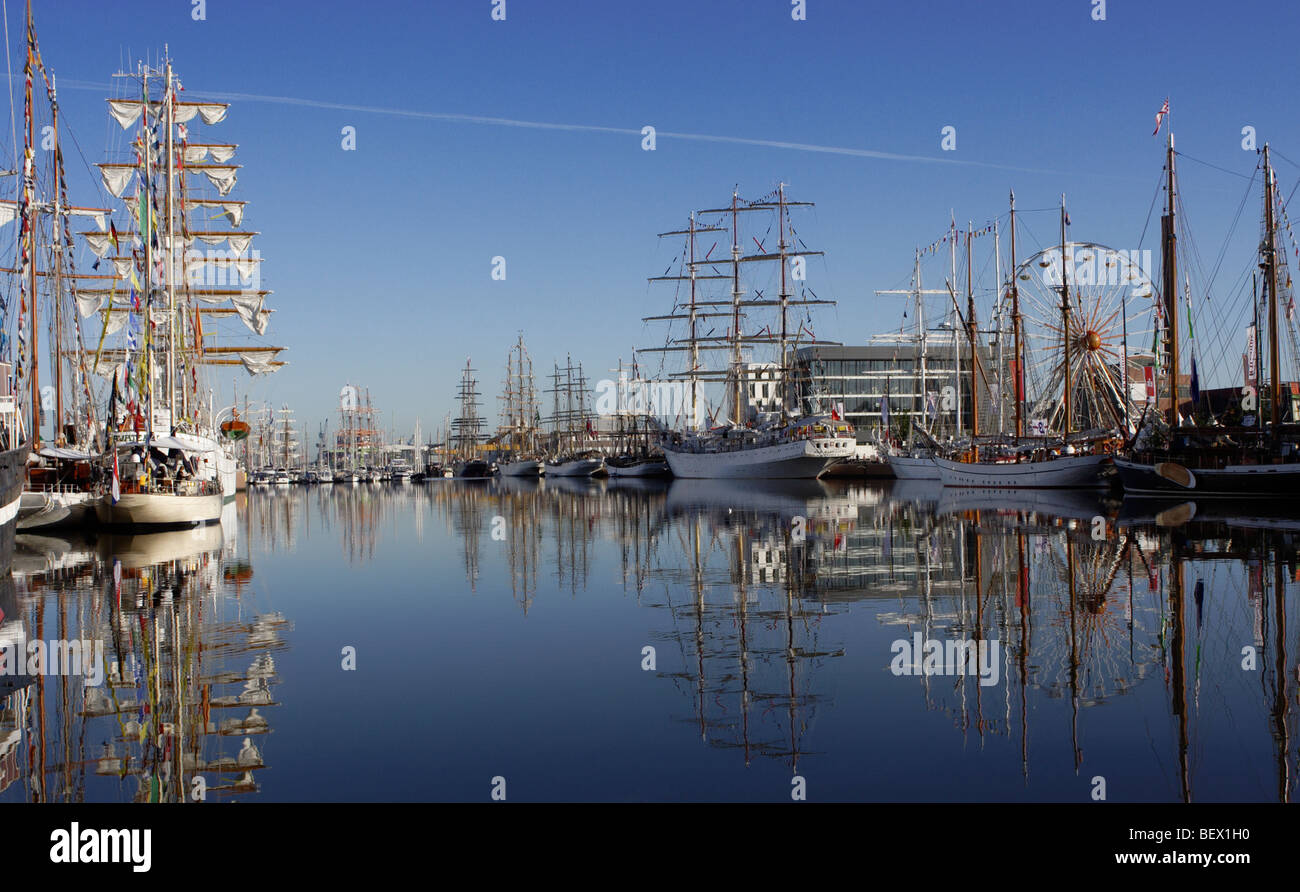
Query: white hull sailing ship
x,y
796,459
913,467
762,438
166,463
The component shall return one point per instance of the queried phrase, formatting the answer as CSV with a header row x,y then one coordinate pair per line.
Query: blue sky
x,y
380,258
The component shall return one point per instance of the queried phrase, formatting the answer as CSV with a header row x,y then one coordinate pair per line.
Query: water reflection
x,y
174,676
1145,643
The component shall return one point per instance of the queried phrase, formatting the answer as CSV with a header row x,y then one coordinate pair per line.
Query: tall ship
x,y
572,425
358,441
286,448
43,482
517,436
637,452
1248,448
759,429
467,430
166,303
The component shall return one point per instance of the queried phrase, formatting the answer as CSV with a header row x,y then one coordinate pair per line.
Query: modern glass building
x,y
860,377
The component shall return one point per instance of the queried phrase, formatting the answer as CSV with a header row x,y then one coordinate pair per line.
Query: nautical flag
x,y
1160,116
884,411
1196,383
1067,218
116,491
835,412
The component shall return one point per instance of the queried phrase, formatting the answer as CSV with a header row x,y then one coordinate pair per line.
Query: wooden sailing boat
x,y
19,438
1222,461
1063,462
763,437
58,488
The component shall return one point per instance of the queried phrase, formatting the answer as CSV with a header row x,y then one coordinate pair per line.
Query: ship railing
x,y
55,488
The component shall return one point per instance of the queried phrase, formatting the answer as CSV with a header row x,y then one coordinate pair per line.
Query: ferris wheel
x,y
1111,305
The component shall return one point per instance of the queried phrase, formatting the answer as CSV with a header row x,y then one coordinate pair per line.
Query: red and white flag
x,y
1160,117
116,490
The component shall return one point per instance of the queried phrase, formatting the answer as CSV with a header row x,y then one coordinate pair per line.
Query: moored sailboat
x,y
1171,458
517,438
1067,459
165,462
762,438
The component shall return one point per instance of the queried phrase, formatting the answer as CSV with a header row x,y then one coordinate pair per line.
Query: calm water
x,y
500,630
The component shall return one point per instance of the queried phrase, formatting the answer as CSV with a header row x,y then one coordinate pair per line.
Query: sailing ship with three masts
x,y
573,427
467,434
166,462
762,432
517,436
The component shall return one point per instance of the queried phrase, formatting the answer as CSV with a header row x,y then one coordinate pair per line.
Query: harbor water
x,y
576,639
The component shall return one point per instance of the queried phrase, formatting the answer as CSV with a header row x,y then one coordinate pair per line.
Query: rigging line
x,y
1231,230
1151,210
1278,154
13,126
1214,166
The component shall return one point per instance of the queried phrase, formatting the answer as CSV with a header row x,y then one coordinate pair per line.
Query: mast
x,y
57,244
171,254
956,344
146,236
1001,357
694,343
738,384
1016,327
1270,263
1065,326
970,331
29,180
784,294
920,327
1169,280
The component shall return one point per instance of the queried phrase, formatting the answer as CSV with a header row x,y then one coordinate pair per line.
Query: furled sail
x,y
223,178
116,177
233,210
127,111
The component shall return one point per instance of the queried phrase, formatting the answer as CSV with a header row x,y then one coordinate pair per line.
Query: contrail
x,y
595,128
